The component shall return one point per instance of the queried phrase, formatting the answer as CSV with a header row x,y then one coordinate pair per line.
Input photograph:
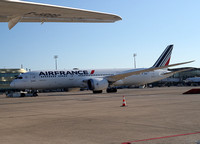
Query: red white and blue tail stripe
x,y
164,59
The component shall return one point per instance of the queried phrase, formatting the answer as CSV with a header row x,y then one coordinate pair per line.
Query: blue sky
x,y
146,29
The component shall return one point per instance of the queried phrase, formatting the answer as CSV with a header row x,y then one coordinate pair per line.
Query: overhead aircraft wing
x,y
14,11
117,77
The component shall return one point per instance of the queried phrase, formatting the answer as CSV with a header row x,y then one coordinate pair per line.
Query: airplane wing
x,y
174,72
14,11
117,77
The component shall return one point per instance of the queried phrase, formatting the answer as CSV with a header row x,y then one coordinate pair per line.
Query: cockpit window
x,y
19,77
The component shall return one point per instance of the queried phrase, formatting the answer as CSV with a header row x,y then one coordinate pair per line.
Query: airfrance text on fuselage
x,y
54,73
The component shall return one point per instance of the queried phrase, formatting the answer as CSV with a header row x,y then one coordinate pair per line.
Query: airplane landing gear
x,y
111,90
99,91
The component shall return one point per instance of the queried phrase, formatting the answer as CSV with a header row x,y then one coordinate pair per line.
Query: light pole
x,y
134,55
55,57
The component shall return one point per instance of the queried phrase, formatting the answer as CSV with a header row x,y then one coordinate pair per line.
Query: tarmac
x,y
152,116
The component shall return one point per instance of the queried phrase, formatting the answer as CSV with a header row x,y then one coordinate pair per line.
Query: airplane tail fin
x,y
164,59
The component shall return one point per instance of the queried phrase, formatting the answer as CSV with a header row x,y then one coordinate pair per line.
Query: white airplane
x,y
14,11
96,80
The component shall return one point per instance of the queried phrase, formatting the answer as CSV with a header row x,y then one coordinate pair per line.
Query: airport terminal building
x,y
6,76
179,78
195,72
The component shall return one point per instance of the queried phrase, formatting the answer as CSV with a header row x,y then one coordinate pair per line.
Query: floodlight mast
x,y
134,55
55,57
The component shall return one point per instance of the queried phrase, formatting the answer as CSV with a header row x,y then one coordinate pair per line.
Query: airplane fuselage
x,y
78,78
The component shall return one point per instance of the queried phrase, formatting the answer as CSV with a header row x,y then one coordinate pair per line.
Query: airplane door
x,y
153,74
33,78
71,80
71,77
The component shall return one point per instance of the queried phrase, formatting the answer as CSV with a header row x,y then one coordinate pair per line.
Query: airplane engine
x,y
97,84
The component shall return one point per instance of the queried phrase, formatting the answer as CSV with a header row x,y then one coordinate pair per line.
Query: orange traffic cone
x,y
124,102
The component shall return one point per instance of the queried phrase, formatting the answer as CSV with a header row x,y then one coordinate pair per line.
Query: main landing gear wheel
x,y
111,90
99,91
